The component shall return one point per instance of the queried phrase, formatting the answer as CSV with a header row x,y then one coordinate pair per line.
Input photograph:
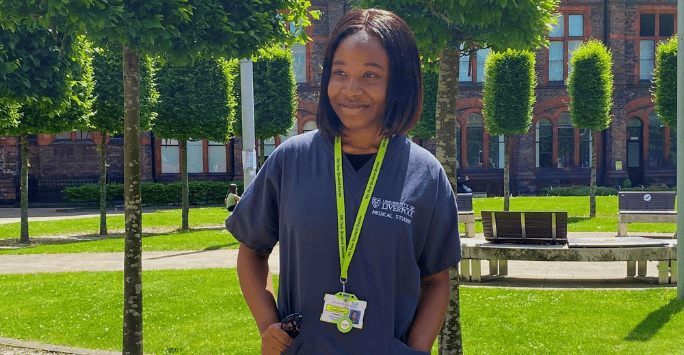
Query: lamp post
x,y
249,162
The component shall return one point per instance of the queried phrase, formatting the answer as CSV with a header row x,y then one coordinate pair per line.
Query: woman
x,y
390,264
232,198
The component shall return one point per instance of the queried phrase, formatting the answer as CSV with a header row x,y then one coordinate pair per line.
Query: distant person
x,y
232,198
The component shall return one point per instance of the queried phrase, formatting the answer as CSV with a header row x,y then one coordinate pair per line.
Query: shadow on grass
x,y
211,248
650,326
572,220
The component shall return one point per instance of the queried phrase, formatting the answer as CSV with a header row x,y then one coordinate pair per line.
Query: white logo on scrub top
x,y
393,209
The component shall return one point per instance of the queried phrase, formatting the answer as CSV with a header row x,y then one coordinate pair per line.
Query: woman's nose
x,y
352,87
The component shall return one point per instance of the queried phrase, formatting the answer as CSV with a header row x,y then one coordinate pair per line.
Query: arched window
x,y
474,141
634,136
544,143
496,152
566,141
656,141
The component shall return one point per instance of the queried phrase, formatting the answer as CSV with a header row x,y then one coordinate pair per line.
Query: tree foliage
x,y
108,107
590,86
275,94
665,82
425,128
196,101
499,24
508,92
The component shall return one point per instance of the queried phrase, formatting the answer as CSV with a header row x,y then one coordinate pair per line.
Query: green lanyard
x,y
346,253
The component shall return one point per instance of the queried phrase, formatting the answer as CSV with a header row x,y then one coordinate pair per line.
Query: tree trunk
x,y
24,238
103,185
592,188
507,190
184,178
445,131
132,319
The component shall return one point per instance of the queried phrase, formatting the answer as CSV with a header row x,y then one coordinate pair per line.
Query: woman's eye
x,y
370,75
338,72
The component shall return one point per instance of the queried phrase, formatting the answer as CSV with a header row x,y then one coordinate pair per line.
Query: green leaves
x,y
590,85
508,92
195,101
665,82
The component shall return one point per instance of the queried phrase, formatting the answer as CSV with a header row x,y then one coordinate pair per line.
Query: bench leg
x,y
476,270
642,268
622,229
493,267
470,229
631,268
465,270
503,267
673,271
663,272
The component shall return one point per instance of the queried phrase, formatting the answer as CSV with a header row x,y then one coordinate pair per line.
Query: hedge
x,y
156,194
577,191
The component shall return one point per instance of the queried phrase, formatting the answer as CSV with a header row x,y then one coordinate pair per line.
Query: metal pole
x,y
680,149
249,161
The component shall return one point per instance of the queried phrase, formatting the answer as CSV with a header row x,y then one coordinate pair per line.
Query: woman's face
x,y
358,82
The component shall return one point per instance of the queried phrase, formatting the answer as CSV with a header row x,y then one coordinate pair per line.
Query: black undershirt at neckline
x,y
358,160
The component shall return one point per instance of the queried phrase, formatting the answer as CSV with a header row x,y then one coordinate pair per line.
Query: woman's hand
x,y
274,340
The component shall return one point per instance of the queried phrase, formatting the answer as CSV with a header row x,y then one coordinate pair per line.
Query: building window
x,y
544,143
195,157
564,38
298,56
309,126
464,68
481,58
653,28
269,147
474,142
73,136
477,73
170,156
585,148
63,137
566,141
496,152
217,157
656,141
458,145
634,136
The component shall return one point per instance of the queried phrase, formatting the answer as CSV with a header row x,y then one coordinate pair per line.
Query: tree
x,y
178,31
108,117
590,86
196,102
665,82
508,96
275,96
445,30
61,100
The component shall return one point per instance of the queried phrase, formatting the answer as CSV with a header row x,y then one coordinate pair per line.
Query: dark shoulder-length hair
x,y
404,97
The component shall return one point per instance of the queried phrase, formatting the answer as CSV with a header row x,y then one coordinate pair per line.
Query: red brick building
x,y
553,153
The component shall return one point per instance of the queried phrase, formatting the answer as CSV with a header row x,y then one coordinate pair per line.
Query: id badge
x,y
343,309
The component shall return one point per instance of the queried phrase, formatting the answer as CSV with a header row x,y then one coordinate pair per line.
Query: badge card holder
x,y
345,310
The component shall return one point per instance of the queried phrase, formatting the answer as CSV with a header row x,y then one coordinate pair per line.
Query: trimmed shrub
x,y
577,191
156,194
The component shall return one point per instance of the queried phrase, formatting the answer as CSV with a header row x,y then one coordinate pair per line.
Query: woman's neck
x,y
361,142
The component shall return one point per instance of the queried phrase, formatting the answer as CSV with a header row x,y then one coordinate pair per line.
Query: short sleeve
x,y
254,222
442,248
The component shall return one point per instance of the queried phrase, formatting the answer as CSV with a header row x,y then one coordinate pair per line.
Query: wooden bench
x,y
645,207
465,213
525,227
663,251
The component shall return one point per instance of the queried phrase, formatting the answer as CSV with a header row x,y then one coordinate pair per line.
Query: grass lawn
x,y
203,312
191,240
164,219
